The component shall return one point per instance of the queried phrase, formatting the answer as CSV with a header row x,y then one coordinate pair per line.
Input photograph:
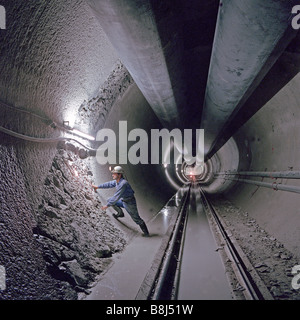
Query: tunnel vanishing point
x,y
230,68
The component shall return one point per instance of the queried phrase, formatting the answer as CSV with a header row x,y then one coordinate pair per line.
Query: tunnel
x,y
85,85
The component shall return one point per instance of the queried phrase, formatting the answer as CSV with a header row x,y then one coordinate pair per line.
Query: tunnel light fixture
x,y
83,135
77,132
67,125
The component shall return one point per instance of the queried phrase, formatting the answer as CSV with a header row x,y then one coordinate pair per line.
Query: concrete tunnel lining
x,y
52,67
243,34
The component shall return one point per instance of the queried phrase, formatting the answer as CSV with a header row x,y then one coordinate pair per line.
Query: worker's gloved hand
x,y
95,188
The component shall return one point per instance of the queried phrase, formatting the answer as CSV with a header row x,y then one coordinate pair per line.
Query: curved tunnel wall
x,y
272,135
268,142
49,65
51,60
54,61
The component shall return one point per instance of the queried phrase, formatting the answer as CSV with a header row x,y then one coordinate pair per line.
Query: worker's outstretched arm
x,y
106,185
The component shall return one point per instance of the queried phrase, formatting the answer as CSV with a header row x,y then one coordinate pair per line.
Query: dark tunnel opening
x,y
93,65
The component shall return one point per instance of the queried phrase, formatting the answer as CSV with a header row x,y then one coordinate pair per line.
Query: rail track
x,y
240,270
165,276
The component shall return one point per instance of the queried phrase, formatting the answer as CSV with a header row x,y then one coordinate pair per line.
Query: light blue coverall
x,y
123,198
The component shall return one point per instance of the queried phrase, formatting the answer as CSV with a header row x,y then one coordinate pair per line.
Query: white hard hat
x,y
117,169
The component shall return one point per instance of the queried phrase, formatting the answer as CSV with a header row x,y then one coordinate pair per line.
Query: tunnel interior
x,y
230,68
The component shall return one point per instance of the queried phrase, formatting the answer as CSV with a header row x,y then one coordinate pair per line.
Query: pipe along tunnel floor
x,y
202,274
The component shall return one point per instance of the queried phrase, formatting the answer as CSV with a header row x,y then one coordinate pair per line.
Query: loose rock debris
x,y
270,258
77,238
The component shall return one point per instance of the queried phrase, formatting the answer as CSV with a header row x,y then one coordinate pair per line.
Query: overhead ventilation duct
x,y
250,36
166,47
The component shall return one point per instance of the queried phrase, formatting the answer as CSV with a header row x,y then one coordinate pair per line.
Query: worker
x,y
123,198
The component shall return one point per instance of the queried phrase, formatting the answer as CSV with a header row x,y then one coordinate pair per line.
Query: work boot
x,y
144,229
120,212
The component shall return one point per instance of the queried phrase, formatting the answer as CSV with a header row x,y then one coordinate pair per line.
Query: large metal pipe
x,y
275,186
131,28
249,38
166,47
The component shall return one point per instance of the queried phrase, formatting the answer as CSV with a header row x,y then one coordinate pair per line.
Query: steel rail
x,y
163,290
252,289
174,295
159,282
162,280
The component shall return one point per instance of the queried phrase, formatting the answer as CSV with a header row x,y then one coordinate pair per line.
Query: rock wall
x,y
20,254
57,250
78,239
53,56
54,240
93,112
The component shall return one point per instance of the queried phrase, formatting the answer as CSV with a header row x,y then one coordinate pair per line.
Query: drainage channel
x,y
239,270
198,260
187,266
202,272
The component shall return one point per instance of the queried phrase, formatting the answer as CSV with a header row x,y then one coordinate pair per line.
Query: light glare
x,y
83,135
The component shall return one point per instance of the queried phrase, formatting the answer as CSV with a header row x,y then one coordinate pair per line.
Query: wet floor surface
x,y
123,280
202,272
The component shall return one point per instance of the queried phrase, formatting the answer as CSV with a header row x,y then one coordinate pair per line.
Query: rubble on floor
x,y
272,261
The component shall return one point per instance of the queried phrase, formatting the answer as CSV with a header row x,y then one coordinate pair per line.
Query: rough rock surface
x,y
270,258
21,256
93,112
53,238
77,238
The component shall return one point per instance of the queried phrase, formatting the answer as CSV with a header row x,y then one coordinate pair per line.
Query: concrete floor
x,y
124,278
202,275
